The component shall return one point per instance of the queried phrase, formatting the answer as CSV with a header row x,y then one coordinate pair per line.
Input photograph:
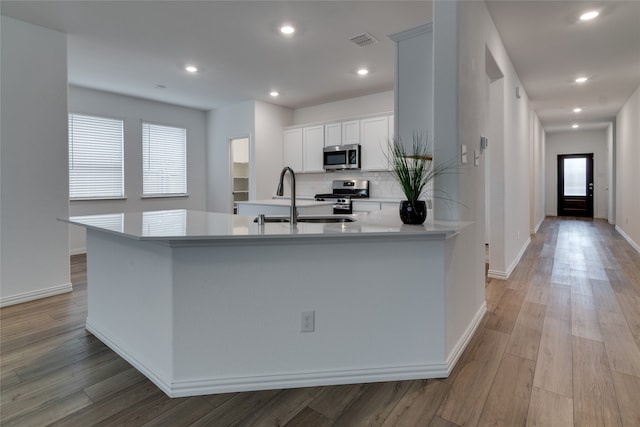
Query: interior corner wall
x,y
133,111
627,150
34,259
224,124
478,33
537,174
268,147
577,142
611,173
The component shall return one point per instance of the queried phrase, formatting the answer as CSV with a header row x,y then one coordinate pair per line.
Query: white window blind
x,y
164,160
95,157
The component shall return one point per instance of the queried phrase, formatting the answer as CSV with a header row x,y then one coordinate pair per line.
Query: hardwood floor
x,y
559,346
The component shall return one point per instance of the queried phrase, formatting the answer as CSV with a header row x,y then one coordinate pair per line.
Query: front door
x,y
575,185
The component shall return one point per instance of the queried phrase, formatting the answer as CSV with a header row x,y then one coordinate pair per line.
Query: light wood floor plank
x,y
594,399
549,409
374,405
628,392
584,318
508,400
465,400
419,405
555,357
525,337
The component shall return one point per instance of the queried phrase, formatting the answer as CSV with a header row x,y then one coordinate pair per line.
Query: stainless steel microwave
x,y
340,157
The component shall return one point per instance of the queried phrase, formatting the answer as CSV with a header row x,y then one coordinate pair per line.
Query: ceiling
x,y
139,48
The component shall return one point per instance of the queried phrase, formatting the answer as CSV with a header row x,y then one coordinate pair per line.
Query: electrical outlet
x,y
308,321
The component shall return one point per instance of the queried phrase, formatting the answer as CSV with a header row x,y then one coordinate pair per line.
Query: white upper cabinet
x,y
333,134
374,138
293,149
351,132
312,145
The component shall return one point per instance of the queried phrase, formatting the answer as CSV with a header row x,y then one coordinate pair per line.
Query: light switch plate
x,y
463,151
476,158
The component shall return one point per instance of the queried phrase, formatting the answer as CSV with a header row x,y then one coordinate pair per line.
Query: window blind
x,y
164,160
95,157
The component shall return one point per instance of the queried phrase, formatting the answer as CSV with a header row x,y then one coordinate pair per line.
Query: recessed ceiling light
x,y
363,72
577,110
581,79
587,16
191,68
575,126
287,29
274,93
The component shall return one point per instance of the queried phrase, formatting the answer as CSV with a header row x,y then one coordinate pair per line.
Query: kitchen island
x,y
206,303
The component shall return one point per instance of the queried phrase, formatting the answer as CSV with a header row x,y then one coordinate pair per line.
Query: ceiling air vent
x,y
364,39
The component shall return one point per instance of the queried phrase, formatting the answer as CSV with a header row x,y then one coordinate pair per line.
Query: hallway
x,y
559,346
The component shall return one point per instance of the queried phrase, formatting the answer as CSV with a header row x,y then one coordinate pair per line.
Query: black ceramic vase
x,y
413,212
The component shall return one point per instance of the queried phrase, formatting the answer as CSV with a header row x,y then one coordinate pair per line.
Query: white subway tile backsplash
x,y
382,184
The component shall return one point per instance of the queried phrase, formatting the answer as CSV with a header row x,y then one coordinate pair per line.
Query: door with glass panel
x,y
575,185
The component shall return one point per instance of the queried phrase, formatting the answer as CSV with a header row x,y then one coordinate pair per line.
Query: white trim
x,y
305,379
77,251
271,382
299,379
504,275
458,349
129,357
537,227
628,239
34,295
412,32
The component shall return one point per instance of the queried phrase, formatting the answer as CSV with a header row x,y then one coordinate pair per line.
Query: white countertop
x,y
187,225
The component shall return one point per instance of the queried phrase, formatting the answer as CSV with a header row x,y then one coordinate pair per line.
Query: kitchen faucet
x,y
293,216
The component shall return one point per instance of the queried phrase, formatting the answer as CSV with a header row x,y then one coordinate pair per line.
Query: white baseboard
x,y
77,251
537,227
504,275
289,380
33,295
456,351
628,239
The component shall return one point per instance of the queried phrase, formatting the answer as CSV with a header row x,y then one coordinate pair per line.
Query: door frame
x,y
590,183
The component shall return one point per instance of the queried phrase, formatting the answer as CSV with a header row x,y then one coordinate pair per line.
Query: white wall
x,y
577,142
361,106
34,261
134,111
262,123
628,169
268,147
476,34
537,174
224,124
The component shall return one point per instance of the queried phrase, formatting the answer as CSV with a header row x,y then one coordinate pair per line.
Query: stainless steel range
x,y
344,190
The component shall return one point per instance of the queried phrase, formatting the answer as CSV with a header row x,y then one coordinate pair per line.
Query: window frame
x,y
71,154
164,195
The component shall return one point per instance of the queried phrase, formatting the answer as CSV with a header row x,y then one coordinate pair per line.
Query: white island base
x,y
214,314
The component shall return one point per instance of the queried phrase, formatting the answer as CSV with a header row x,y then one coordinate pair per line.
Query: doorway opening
x,y
239,160
575,185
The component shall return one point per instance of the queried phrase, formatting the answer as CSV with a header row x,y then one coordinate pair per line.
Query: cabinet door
x,y
332,134
312,143
293,149
351,132
374,134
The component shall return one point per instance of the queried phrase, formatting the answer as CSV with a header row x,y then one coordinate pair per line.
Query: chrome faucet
x,y
293,216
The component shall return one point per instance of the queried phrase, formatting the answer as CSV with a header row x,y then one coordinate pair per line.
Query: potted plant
x,y
414,169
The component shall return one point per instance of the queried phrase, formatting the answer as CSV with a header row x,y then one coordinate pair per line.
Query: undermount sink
x,y
312,219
